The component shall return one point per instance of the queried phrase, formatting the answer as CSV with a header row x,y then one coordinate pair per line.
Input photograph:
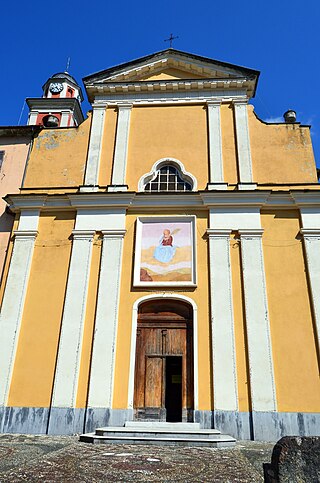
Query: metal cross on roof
x,y
170,39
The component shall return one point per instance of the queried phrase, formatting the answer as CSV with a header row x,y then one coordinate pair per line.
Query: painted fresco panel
x,y
165,251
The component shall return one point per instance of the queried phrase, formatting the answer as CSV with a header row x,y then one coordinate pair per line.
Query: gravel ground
x,y
63,459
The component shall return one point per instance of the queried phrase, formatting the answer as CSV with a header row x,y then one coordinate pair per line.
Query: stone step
x,y
219,440
162,425
157,433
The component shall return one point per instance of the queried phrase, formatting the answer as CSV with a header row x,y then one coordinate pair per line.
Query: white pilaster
x,y
94,152
33,118
263,395
70,346
105,336
121,147
14,296
64,118
311,238
222,322
215,147
243,142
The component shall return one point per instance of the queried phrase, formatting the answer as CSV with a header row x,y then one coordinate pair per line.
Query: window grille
x,y
167,179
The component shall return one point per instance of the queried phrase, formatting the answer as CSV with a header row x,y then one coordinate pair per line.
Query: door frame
x,y
135,312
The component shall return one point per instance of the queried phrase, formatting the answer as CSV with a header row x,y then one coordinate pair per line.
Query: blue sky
x,y
280,38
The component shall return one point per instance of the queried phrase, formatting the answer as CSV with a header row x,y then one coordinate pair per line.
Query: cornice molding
x,y
310,198
152,201
170,84
184,96
43,104
226,198
101,200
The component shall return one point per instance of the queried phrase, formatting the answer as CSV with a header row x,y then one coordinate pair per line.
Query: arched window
x,y
167,175
168,179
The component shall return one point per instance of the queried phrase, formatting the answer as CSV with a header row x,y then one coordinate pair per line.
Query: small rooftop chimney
x,y
290,116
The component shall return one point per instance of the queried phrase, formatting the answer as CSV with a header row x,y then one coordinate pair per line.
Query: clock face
x,y
56,87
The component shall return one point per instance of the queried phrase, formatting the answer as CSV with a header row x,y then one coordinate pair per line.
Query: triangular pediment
x,y
163,73
169,65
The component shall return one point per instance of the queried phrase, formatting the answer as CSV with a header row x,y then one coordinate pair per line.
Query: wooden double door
x,y
164,363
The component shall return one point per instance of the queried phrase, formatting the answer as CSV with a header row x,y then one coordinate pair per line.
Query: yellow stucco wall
x,y
11,174
7,259
171,74
292,332
58,157
34,365
295,363
281,153
129,295
178,132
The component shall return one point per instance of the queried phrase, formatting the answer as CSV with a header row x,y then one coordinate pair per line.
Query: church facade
x,y
164,261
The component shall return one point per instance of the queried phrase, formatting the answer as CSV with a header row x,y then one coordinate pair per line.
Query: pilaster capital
x,y
310,233
117,188
25,234
113,234
218,232
251,232
214,103
242,101
83,234
99,106
124,106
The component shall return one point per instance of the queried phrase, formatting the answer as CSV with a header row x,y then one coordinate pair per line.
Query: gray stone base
x,y
260,426
234,423
267,426
205,418
66,420
23,420
273,426
100,417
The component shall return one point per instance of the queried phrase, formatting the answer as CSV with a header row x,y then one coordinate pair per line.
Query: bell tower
x,y
60,105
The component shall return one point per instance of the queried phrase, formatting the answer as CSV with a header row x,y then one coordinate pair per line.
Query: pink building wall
x,y
11,173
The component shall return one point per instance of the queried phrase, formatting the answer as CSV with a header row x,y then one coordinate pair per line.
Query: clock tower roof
x,y
63,77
